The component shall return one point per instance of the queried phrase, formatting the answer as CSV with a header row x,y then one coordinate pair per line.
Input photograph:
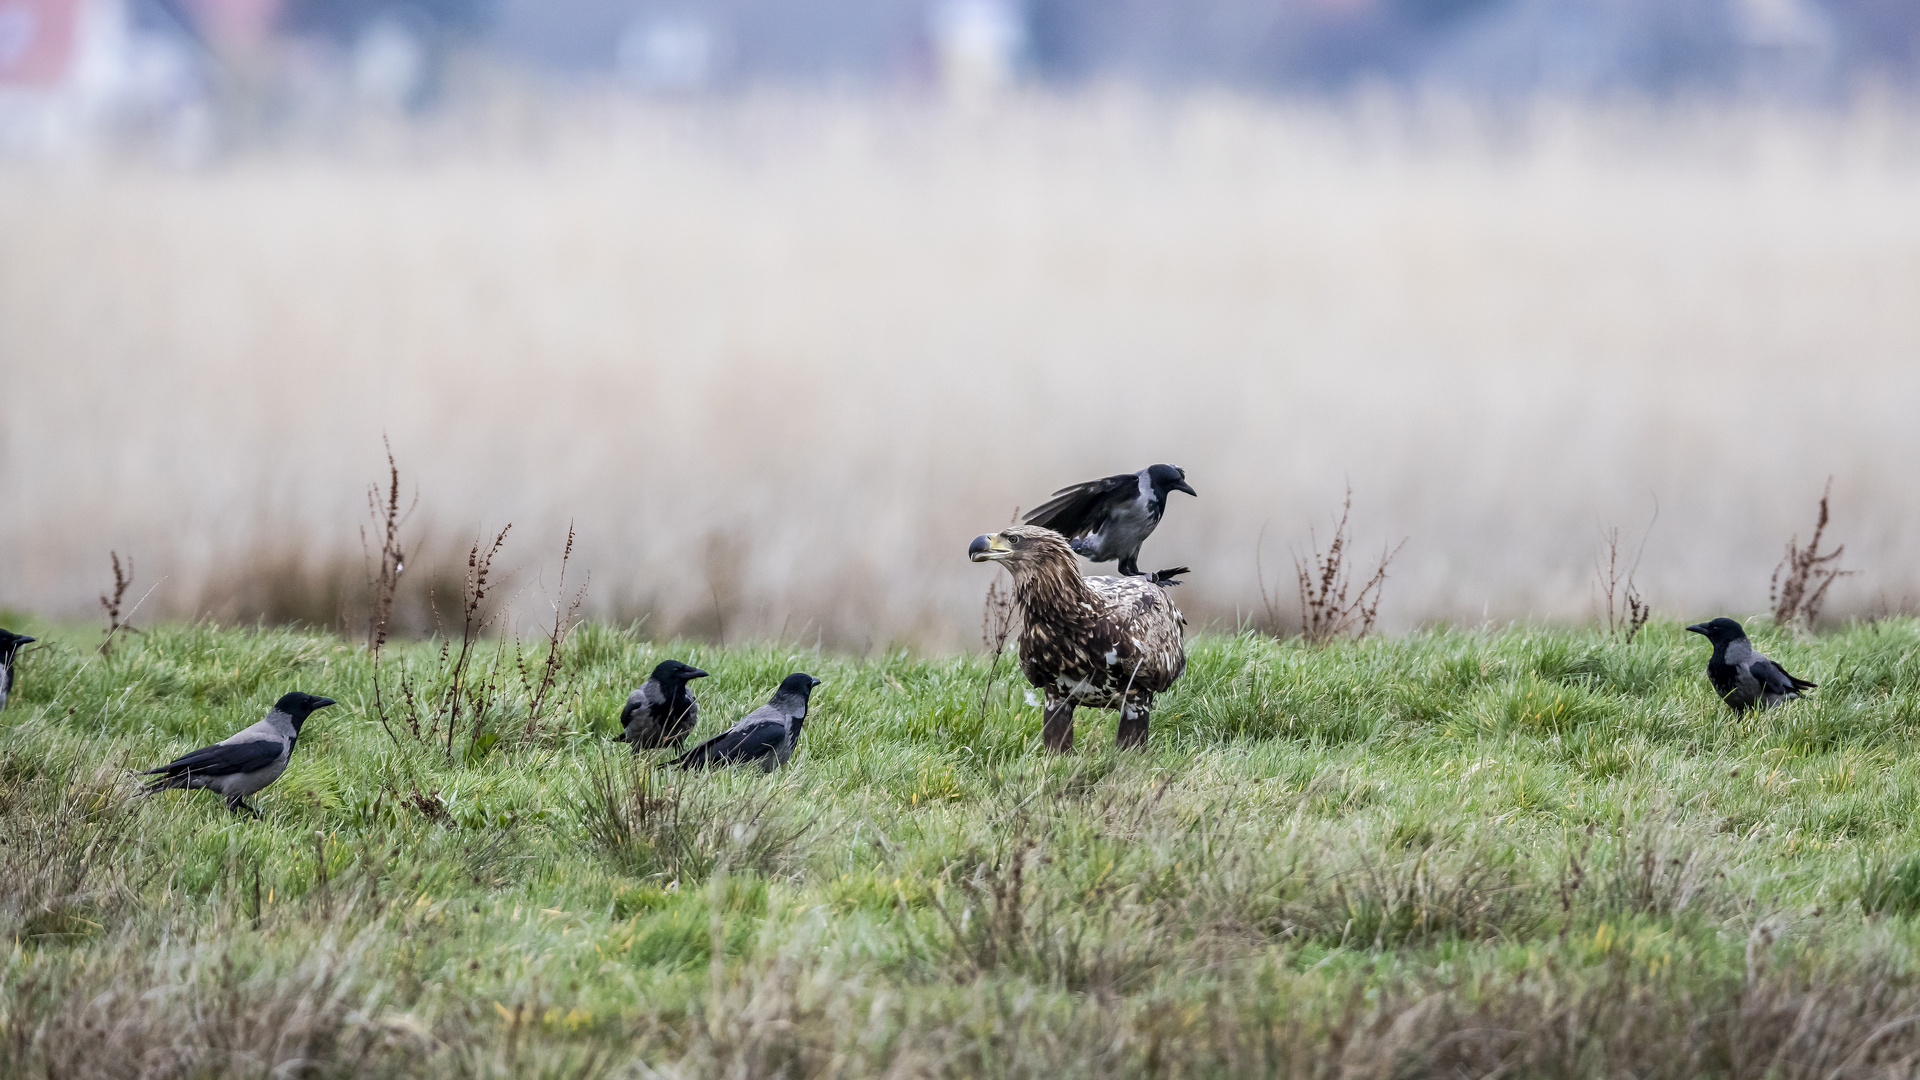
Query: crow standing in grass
x,y
765,737
10,643
244,763
1109,519
662,712
1101,642
1743,678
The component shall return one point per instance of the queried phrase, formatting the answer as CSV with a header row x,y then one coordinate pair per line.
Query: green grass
x,y
1445,853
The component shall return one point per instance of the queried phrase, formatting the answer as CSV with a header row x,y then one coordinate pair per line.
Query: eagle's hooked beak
x,y
989,547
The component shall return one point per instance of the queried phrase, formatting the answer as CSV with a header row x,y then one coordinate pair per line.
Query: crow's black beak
x,y
696,673
22,639
988,547
1698,628
321,703
1181,485
816,682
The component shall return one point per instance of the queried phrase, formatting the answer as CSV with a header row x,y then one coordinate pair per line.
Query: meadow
x,y
780,355
1519,851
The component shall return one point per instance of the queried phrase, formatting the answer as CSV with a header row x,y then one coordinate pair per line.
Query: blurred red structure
x,y
36,41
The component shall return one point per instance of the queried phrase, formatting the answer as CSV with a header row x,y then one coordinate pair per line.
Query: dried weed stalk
x,y
540,688
997,618
1329,606
456,696
1627,610
383,578
112,602
996,626
1800,583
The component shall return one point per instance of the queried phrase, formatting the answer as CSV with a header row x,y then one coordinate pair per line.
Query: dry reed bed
x,y
779,357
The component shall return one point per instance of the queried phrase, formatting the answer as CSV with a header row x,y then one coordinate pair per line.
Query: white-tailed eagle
x,y
1102,642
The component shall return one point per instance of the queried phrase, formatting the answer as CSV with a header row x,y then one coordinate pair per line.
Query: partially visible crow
x,y
766,736
10,643
242,764
1743,678
1109,519
662,712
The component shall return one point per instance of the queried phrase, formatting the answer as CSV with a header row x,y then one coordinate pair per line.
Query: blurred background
x,y
778,305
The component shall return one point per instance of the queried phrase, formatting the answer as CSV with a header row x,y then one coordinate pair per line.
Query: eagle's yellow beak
x,y
988,548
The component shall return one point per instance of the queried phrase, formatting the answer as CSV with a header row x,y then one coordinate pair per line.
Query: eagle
x,y
1102,642
1109,518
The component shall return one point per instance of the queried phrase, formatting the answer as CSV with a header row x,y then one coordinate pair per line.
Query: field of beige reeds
x,y
778,358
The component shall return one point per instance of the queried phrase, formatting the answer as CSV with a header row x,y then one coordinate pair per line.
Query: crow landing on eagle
x,y
1102,642
1109,518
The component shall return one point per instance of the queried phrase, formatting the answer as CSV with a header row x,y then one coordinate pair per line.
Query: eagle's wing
x,y
223,759
1079,509
1146,630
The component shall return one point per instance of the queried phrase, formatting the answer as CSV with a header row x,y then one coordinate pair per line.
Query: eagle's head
x,y
1024,549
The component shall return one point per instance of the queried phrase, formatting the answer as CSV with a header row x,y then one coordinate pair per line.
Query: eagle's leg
x,y
1132,731
1056,732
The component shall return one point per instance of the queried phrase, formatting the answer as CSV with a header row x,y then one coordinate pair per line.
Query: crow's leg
x,y
1056,733
236,804
1129,567
1132,733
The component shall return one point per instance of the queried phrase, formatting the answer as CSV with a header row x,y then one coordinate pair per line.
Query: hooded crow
x,y
1743,678
766,736
662,712
242,764
10,643
1109,519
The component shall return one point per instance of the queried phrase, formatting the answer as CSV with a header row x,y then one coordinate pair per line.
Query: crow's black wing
x,y
1724,677
223,759
1079,509
1775,680
742,742
680,724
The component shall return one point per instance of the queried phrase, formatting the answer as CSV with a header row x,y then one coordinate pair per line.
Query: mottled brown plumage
x,y
1102,642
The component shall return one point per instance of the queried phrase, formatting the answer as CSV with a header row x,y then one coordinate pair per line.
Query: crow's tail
x,y
154,787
